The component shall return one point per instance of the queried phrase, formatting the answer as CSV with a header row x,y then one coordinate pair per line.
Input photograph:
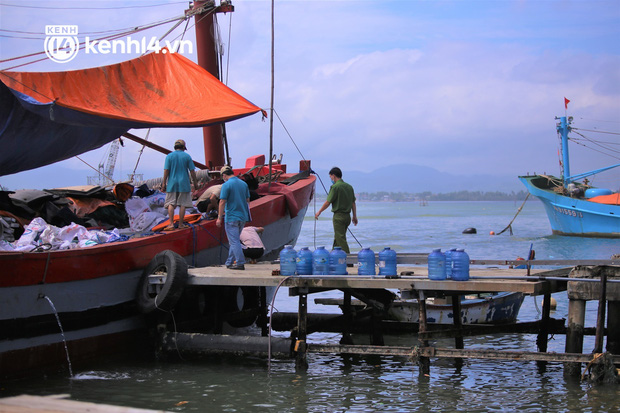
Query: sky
x,y
465,87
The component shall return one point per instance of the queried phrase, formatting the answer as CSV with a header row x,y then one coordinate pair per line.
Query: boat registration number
x,y
568,212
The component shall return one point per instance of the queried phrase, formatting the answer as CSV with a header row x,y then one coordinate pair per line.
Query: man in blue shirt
x,y
234,212
177,169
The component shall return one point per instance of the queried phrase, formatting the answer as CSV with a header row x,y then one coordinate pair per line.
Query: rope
x,y
515,217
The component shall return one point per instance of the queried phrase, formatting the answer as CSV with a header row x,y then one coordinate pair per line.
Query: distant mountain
x,y
415,179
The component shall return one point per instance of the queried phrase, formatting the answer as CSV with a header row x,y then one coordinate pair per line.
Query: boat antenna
x,y
272,94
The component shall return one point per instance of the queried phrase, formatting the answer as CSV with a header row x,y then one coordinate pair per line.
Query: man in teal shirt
x,y
177,169
234,212
342,198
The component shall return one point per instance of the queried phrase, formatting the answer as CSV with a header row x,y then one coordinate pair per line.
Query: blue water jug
x,y
304,261
320,261
460,265
437,265
366,262
288,260
337,262
449,262
387,262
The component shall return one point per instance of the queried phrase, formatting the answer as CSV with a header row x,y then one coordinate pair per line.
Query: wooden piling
x,y
543,335
600,318
458,326
613,327
301,361
574,334
348,317
423,362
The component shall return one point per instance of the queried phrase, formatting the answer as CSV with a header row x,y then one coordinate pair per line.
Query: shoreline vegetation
x,y
427,196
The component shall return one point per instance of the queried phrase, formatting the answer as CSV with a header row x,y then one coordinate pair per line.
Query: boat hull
x,y
574,216
499,308
92,291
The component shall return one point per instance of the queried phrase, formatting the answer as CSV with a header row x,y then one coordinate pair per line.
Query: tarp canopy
x,y
49,117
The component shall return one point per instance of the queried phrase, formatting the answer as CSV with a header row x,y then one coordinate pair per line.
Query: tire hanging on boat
x,y
162,296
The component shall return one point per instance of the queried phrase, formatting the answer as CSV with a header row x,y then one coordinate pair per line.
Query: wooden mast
x,y
208,59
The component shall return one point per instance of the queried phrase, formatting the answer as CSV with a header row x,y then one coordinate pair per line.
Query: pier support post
x,y
574,334
458,325
348,319
423,362
263,316
543,334
301,361
613,327
600,318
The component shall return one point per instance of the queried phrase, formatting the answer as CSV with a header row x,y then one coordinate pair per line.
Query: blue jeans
x,y
235,252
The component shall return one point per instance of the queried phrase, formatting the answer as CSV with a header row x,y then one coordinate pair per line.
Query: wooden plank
x,y
60,403
435,352
260,275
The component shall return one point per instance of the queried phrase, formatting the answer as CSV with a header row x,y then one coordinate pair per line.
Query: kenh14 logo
x,y
62,44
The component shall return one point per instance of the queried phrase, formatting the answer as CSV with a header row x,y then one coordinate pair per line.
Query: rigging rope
x,y
318,176
114,36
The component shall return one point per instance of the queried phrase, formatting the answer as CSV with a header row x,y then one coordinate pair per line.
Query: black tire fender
x,y
164,296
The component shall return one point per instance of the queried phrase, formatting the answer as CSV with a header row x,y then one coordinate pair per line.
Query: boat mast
x,y
563,128
207,51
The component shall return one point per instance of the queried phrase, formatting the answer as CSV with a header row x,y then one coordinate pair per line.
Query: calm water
x,y
366,384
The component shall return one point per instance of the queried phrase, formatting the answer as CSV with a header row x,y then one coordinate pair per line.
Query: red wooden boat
x,y
78,304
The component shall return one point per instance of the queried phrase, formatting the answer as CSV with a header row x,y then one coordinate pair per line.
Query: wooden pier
x,y
583,280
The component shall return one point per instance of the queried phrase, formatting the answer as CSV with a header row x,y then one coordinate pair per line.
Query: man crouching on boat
x,y
177,169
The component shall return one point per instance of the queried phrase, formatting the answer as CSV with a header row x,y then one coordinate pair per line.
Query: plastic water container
x,y
320,261
288,260
304,261
460,265
337,262
387,262
366,262
437,265
448,255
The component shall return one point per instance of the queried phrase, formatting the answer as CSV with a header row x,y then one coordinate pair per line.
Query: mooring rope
x,y
515,217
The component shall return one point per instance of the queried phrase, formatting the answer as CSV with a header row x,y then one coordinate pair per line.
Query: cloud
x,y
463,87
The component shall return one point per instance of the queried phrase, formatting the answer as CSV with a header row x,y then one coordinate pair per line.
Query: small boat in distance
x,y
575,208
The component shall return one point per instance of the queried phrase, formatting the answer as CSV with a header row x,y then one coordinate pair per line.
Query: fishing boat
x,y
59,307
488,308
576,208
495,308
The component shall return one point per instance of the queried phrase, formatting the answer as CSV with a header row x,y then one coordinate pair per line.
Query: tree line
x,y
450,196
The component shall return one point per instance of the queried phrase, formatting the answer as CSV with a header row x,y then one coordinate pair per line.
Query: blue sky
x,y
465,87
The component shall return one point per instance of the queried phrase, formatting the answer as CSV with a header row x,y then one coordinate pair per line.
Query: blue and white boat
x,y
575,208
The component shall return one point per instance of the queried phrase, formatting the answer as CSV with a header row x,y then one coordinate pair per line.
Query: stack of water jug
x,y
322,262
453,264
